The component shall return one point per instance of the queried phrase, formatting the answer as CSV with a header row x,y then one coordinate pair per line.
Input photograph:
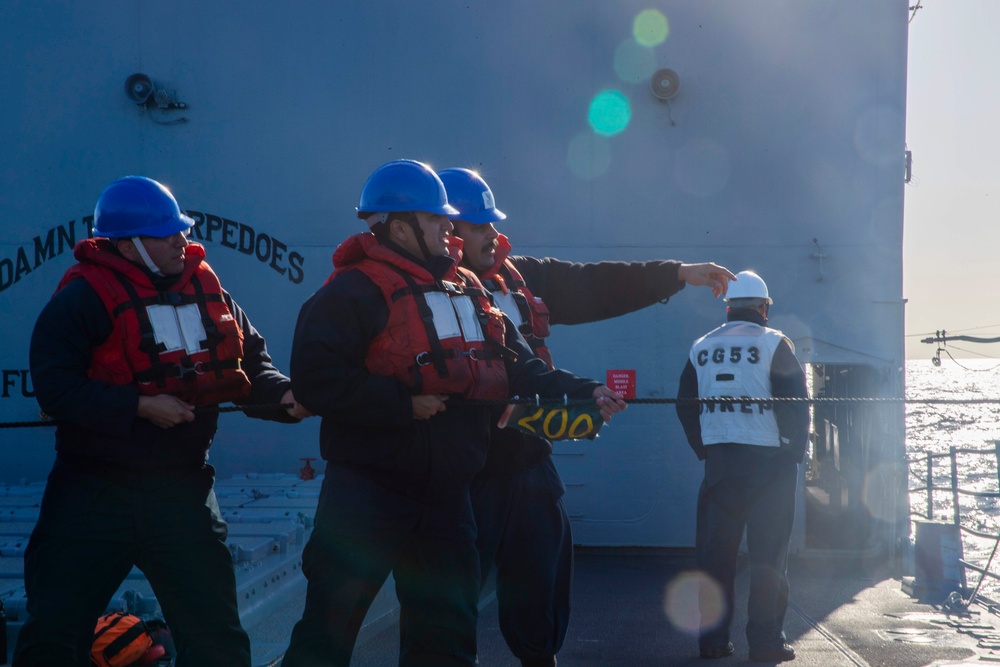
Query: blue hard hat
x,y
469,193
138,206
404,185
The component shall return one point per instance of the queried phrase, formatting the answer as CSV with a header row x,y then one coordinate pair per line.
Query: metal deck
x,y
842,612
840,616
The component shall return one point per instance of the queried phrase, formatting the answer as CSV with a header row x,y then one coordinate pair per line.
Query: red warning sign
x,y
622,381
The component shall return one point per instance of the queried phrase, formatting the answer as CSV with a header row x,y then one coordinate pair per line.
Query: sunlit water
x,y
936,428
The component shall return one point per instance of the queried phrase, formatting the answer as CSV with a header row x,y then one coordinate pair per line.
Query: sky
x,y
952,204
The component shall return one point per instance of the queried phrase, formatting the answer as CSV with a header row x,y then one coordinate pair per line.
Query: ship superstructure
x,y
766,135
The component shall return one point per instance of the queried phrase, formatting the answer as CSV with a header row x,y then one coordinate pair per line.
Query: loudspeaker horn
x,y
138,88
664,83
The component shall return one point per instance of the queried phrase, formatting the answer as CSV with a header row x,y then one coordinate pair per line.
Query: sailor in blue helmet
x,y
117,359
523,526
385,352
751,452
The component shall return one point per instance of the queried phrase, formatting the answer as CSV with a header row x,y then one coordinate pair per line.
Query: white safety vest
x,y
734,360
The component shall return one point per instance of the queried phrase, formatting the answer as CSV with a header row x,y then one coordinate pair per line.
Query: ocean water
x,y
933,429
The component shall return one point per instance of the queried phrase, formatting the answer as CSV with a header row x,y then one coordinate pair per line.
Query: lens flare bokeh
x,y
692,601
589,155
610,113
650,28
634,63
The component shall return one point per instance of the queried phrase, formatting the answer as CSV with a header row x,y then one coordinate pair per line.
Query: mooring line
x,y
714,400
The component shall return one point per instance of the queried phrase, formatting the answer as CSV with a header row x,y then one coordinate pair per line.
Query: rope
x,y
963,367
982,577
208,409
549,402
727,400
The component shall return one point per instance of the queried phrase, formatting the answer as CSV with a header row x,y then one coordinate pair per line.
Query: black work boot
x,y
781,653
721,651
548,661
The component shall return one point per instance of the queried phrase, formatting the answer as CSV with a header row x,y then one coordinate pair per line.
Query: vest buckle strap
x,y
171,299
172,371
425,358
187,371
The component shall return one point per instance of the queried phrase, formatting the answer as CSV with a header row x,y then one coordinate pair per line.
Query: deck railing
x,y
955,493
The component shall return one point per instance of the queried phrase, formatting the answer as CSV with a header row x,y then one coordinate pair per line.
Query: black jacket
x,y
577,293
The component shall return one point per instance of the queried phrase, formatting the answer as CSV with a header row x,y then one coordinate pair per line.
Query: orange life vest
x,y
202,372
532,311
442,336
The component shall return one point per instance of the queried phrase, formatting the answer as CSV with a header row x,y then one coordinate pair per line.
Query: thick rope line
x,y
208,409
729,400
549,402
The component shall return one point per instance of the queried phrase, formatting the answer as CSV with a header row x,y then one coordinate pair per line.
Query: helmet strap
x,y
141,249
410,218
418,231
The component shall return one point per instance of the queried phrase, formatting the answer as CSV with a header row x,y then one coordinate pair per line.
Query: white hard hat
x,y
748,285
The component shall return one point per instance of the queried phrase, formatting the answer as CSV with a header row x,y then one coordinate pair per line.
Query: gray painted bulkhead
x,y
788,126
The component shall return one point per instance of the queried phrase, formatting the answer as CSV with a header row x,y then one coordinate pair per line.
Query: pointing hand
x,y
707,274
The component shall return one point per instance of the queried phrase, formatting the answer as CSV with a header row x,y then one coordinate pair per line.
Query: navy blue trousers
x,y
362,532
92,529
524,530
752,488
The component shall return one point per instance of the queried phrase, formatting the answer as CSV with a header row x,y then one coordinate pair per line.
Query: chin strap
x,y
419,233
141,249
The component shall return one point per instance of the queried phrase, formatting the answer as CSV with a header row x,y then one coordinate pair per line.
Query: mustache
x,y
491,245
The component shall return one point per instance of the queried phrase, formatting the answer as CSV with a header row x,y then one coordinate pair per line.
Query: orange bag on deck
x,y
122,640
